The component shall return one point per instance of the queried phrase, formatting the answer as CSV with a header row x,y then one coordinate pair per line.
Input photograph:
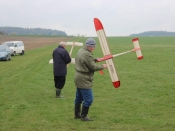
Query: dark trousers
x,y
59,81
85,96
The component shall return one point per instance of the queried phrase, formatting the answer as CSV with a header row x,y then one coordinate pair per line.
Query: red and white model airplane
x,y
108,56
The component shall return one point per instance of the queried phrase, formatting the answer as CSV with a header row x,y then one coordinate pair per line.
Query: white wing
x,y
104,45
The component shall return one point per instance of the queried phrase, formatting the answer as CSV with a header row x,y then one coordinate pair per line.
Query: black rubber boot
x,y
84,114
77,111
58,93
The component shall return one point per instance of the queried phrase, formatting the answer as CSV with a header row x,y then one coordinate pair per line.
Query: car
x,y
17,47
5,53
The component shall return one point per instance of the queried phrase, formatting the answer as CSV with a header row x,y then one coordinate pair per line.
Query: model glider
x,y
108,56
104,45
72,44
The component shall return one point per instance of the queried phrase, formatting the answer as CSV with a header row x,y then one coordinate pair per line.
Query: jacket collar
x,y
59,46
87,49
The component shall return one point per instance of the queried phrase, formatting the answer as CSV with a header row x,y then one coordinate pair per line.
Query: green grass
x,y
143,102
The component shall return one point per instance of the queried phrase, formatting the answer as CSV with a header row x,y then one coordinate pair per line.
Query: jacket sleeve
x,y
66,57
90,62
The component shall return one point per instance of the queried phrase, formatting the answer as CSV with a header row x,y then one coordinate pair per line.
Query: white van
x,y
17,47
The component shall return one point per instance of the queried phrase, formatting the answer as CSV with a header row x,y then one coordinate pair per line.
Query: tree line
x,y
30,31
155,33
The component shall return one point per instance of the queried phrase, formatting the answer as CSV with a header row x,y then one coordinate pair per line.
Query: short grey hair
x,y
62,43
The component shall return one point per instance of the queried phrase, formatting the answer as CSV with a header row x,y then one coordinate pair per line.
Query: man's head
x,y
63,44
90,44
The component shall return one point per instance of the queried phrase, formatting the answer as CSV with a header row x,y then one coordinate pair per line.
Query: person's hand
x,y
104,65
99,59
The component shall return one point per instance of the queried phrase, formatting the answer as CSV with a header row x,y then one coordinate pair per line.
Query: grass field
x,y
144,102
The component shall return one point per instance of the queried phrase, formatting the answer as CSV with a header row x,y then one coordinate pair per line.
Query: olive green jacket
x,y
85,67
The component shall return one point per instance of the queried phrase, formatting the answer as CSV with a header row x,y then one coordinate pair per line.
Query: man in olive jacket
x,y
85,67
60,60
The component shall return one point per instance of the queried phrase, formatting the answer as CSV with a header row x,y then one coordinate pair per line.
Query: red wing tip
x,y
95,19
135,39
98,24
139,58
116,84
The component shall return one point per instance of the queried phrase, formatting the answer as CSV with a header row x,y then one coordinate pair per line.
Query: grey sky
x,y
119,17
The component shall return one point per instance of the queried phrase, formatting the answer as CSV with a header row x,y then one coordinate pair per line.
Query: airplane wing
x,y
72,44
51,61
72,61
104,45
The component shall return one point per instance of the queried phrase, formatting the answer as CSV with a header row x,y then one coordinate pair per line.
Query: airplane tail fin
x,y
137,48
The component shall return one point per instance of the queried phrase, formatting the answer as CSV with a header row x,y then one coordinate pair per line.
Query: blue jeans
x,y
85,96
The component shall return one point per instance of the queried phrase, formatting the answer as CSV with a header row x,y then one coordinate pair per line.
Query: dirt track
x,y
33,42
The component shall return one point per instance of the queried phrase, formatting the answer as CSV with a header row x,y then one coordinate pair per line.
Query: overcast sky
x,y
119,17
